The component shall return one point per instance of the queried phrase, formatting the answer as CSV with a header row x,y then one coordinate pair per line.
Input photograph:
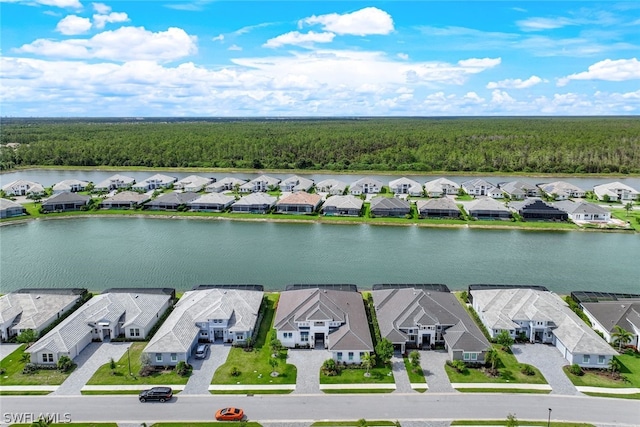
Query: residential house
x,y
69,186
583,211
34,309
519,190
606,315
299,203
124,200
115,182
192,183
343,206
488,208
389,206
10,209
155,182
533,209
23,187
438,208
170,201
260,184
406,186
365,186
332,186
329,318
541,316
477,187
225,184
254,203
211,202
441,187
130,313
561,190
412,317
616,192
64,202
296,183
220,314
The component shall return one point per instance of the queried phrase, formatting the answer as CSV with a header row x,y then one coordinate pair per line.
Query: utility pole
x,y
549,419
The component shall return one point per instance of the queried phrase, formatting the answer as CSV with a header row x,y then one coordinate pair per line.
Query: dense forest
x,y
531,145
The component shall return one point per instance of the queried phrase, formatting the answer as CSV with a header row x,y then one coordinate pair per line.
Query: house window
x,y
239,337
174,357
47,358
158,357
470,356
586,358
304,336
339,356
601,360
466,356
351,355
288,335
361,355
134,332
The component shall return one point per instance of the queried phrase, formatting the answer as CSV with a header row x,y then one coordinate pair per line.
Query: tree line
x,y
579,145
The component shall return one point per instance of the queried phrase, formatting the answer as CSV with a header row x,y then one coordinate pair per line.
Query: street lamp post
x,y
129,359
549,419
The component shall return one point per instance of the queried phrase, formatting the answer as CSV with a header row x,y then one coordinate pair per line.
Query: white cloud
x,y
123,44
403,56
100,20
72,25
541,24
501,97
101,8
480,63
609,70
299,39
473,97
218,38
65,4
234,47
367,21
515,83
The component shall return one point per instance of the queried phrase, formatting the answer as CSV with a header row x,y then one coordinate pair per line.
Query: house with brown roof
x,y
299,203
328,318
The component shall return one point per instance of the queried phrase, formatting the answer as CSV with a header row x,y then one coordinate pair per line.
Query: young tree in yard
x,y
368,360
65,363
621,336
414,359
276,345
614,365
27,336
504,339
492,358
273,361
628,207
384,351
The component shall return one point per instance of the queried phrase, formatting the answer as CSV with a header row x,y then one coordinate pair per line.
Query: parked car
x,y
202,351
161,394
230,414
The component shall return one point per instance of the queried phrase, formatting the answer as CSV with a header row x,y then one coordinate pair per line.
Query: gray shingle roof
x,y
438,204
6,204
67,197
173,198
344,202
128,196
256,199
624,313
389,203
572,207
486,204
35,309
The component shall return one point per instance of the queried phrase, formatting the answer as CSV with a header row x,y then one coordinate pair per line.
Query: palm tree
x,y
614,365
621,336
368,360
628,207
492,357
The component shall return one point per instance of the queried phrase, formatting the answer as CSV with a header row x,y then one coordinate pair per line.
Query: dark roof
x,y
389,203
166,291
594,296
67,197
478,287
242,287
334,286
173,198
625,314
56,291
537,206
436,287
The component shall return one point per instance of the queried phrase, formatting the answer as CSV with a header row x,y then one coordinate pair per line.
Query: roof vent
x,y
38,297
136,296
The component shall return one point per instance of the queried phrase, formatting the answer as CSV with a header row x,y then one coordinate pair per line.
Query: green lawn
x,y
508,368
630,369
72,425
504,390
13,365
254,365
356,376
633,217
212,424
414,377
105,376
351,423
521,423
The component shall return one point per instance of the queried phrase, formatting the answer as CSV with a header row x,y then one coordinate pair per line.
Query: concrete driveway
x,y
432,363
89,360
308,364
7,349
203,369
548,359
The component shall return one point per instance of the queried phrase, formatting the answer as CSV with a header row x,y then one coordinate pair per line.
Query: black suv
x,y
161,394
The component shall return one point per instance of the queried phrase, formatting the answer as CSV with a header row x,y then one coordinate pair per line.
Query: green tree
x,y
621,336
505,339
414,360
492,357
615,365
43,422
274,362
275,344
384,351
65,363
628,207
368,360
512,421
27,336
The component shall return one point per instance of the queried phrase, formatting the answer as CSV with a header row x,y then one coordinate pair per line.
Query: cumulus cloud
x,y
367,21
65,4
234,47
299,39
123,44
218,38
515,83
73,25
609,70
480,63
501,97
403,56
100,20
101,8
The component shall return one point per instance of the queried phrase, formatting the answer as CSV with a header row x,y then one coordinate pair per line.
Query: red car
x,y
230,414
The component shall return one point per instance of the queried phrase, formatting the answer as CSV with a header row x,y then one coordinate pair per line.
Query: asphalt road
x,y
296,407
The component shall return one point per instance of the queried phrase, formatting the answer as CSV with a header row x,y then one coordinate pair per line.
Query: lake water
x,y
99,253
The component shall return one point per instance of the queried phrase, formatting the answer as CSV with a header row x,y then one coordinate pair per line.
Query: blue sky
x,y
76,58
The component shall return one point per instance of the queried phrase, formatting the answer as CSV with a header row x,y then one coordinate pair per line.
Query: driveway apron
x,y
89,360
432,363
403,385
548,359
308,364
203,369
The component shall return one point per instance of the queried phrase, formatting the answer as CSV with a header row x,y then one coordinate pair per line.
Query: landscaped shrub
x,y
146,370
183,368
235,372
65,364
575,369
527,369
330,367
29,368
458,365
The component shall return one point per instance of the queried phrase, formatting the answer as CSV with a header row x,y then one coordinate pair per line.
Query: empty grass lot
x,y
120,376
13,365
508,368
356,376
254,365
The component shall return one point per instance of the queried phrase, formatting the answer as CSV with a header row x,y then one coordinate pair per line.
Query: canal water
x,y
99,253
